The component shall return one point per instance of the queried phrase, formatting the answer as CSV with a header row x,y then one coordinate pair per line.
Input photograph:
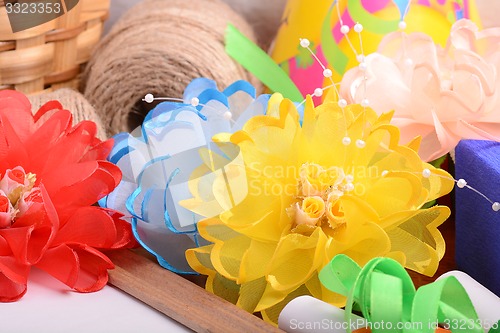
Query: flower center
x,y
16,194
318,200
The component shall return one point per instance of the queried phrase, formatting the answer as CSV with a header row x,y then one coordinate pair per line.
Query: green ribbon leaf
x,y
385,293
260,64
370,21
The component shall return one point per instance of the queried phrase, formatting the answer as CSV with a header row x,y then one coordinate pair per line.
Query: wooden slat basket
x,y
50,56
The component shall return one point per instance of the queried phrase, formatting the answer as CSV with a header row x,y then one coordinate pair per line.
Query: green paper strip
x,y
385,293
446,300
333,54
257,62
370,22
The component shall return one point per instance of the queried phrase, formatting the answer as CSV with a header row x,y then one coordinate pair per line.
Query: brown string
x,y
158,47
72,101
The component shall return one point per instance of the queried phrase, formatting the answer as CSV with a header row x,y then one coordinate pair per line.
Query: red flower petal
x,y
17,175
4,248
4,204
100,151
124,236
93,270
16,109
32,233
88,225
46,108
87,191
113,170
57,145
18,239
13,98
47,135
67,175
13,279
5,220
57,229
80,267
88,129
62,263
12,149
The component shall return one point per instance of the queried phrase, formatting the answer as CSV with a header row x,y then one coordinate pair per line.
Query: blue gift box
x,y
477,224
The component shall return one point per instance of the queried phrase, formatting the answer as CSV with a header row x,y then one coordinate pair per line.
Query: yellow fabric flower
x,y
309,212
310,197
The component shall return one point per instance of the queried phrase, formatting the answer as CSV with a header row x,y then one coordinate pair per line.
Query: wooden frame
x,y
139,275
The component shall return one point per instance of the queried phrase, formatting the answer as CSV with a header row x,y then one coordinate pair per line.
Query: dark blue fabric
x,y
477,225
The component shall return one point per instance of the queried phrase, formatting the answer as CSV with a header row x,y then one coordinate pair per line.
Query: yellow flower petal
x,y
419,239
251,293
310,211
273,106
360,201
362,244
255,218
334,212
438,185
226,252
356,213
318,291
415,143
399,191
226,256
255,262
222,287
271,314
199,260
303,252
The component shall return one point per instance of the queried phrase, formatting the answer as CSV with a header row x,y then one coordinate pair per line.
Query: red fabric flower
x,y
51,174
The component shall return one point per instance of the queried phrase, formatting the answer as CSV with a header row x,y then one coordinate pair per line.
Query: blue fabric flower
x,y
159,157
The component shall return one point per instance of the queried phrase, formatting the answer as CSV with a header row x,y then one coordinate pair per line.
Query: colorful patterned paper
x,y
318,22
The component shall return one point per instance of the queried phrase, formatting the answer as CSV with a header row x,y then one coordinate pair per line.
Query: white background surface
x,y
49,306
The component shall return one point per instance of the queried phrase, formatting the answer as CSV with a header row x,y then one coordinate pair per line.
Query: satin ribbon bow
x,y
384,293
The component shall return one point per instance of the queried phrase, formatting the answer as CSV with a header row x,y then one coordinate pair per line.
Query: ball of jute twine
x,y
158,47
74,102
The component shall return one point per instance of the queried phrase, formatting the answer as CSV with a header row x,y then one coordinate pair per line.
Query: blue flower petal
x,y
158,159
155,241
196,87
240,86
